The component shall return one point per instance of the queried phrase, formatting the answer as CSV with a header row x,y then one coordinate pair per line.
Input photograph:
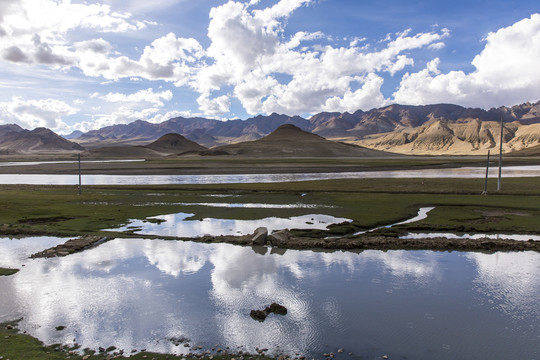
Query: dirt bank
x,y
71,246
284,239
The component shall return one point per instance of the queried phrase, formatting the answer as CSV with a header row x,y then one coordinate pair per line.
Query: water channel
x,y
140,294
464,172
179,225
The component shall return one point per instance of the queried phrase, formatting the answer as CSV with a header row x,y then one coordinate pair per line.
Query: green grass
x,y
17,346
7,272
58,210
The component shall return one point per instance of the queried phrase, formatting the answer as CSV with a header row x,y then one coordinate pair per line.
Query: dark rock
x,y
259,236
259,315
277,309
279,237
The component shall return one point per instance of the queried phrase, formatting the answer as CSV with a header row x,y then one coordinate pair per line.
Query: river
x,y
464,172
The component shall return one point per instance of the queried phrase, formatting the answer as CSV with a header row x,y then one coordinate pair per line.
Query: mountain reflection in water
x,y
135,294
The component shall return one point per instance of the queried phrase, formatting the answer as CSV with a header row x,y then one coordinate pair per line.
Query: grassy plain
x,y
460,207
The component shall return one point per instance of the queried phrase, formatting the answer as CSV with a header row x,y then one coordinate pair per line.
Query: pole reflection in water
x,y
135,294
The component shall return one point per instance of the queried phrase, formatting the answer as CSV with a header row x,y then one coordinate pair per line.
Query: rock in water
x,y
259,236
277,309
259,315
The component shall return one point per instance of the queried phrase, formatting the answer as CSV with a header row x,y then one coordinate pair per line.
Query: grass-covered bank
x,y
460,207
18,346
7,272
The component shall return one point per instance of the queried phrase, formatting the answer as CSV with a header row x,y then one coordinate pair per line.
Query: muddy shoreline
x,y
284,240
238,165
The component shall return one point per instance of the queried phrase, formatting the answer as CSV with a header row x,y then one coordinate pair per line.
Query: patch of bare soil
x,y
496,213
286,240
44,220
71,246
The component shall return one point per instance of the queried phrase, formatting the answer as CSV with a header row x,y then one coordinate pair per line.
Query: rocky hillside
x,y
437,129
291,141
462,137
15,140
175,144
206,132
430,129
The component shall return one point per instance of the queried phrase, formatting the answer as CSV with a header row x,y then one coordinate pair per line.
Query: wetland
x,y
161,266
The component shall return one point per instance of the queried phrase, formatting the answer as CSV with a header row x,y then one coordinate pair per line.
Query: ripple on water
x,y
134,293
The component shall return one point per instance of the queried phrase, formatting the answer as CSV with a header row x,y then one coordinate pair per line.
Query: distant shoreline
x,y
232,165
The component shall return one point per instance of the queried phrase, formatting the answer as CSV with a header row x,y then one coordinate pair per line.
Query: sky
x,y
82,65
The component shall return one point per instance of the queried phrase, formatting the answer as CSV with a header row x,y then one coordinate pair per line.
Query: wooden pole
x,y
487,172
80,184
500,158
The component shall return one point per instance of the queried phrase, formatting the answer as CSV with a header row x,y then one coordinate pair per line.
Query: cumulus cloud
x,y
507,72
15,54
35,31
253,61
271,74
123,108
36,113
97,46
147,95
168,58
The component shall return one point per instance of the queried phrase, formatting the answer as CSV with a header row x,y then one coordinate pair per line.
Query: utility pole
x,y
80,184
487,171
500,157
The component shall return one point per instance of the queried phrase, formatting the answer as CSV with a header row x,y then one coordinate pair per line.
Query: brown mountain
x,y
398,123
290,141
429,129
207,132
15,140
439,137
174,144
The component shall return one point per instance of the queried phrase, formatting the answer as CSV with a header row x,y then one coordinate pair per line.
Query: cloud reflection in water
x,y
134,293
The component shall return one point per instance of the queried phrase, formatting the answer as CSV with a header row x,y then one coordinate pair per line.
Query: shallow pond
x,y
136,294
179,225
464,172
517,237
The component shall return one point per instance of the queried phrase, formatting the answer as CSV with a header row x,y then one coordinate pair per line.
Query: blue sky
x,y
74,65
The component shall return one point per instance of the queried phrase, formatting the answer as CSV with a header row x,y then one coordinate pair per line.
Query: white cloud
x,y
36,113
251,60
249,54
125,108
167,58
215,106
97,46
367,97
147,95
35,31
507,73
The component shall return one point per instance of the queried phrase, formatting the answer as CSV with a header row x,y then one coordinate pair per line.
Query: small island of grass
x,y
6,271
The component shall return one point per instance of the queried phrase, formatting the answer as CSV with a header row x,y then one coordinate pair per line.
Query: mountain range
x,y
14,139
428,129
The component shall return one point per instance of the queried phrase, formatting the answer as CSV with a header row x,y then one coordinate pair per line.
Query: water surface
x,y
135,294
464,172
517,237
179,225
